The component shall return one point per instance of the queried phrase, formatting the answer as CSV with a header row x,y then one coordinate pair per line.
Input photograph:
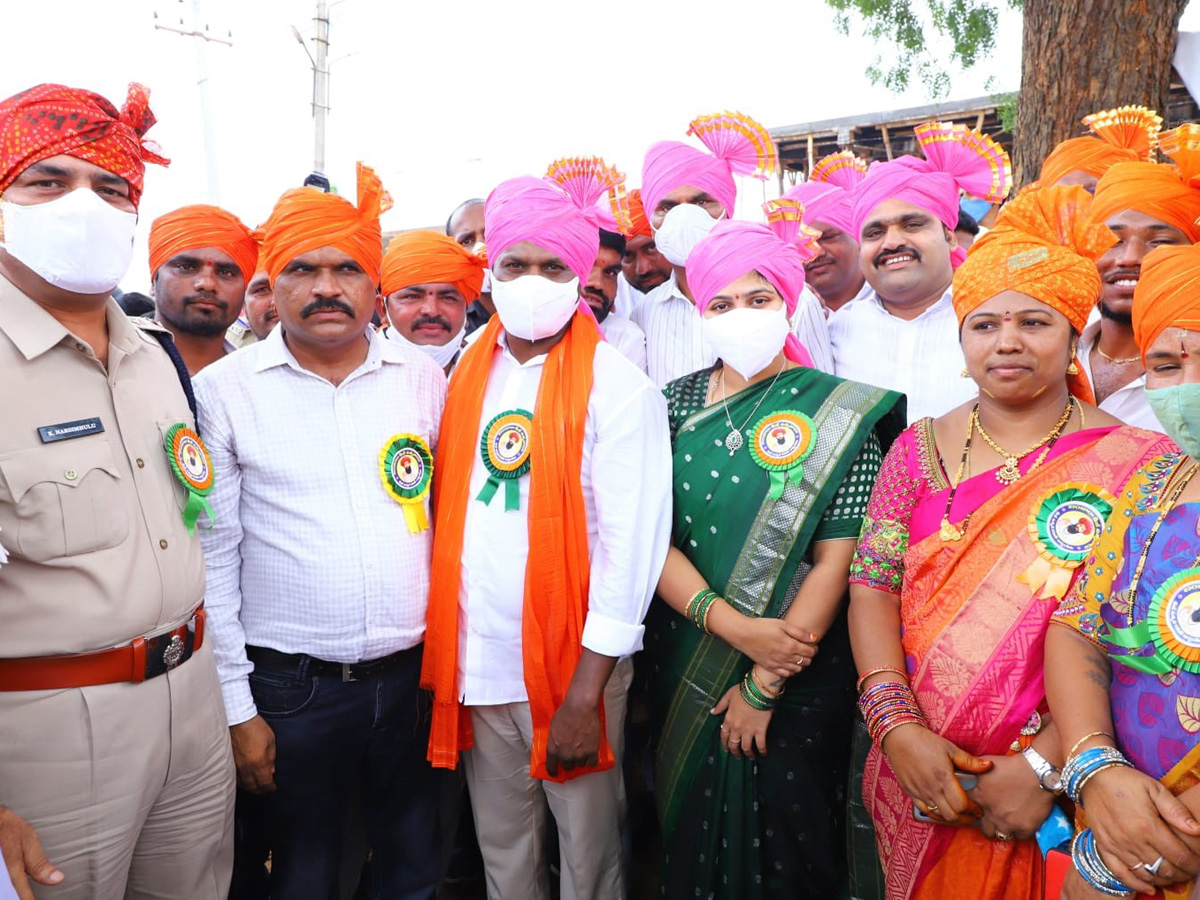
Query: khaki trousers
x,y
510,807
130,786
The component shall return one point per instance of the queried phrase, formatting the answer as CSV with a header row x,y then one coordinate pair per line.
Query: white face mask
x,y
682,229
747,340
534,307
78,242
439,353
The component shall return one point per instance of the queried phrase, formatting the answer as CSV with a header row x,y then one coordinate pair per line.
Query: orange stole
x,y
558,569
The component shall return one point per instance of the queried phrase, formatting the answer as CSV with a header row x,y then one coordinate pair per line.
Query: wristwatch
x,y
1048,776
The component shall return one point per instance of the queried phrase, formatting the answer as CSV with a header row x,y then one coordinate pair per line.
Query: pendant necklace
x,y
1010,472
734,440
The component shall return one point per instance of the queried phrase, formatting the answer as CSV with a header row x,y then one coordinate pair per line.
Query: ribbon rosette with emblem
x,y
1172,626
406,469
193,467
780,444
1064,526
505,448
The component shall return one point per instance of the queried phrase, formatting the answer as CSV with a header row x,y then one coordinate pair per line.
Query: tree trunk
x,y
1080,56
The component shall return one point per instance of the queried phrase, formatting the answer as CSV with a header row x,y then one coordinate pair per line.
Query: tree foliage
x,y
969,25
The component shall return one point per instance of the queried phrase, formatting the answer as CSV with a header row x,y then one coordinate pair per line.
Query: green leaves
x,y
968,25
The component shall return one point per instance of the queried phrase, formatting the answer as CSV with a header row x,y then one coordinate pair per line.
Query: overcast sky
x,y
445,99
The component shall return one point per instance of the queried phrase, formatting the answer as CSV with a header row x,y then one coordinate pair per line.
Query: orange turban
x,y
1057,214
306,219
427,257
1125,134
1167,294
1170,194
1055,275
194,227
639,224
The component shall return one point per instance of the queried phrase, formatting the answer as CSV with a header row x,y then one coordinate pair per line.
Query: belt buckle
x,y
348,673
173,654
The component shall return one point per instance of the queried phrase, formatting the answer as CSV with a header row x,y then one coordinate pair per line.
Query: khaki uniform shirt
x,y
93,527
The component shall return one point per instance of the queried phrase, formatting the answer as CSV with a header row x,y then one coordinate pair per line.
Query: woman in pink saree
x,y
968,544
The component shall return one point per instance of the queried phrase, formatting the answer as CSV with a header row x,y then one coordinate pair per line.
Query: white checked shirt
x,y
626,337
921,357
626,480
309,553
1129,403
675,344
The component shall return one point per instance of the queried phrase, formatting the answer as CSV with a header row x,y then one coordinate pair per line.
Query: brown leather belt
x,y
143,658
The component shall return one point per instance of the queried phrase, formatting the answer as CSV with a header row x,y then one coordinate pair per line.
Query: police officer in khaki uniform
x,y
116,777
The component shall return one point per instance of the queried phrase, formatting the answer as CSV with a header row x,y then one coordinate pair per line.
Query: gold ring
x,y
735,740
1003,836
931,807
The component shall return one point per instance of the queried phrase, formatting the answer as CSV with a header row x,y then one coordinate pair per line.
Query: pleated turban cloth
x,y
199,226
828,193
427,257
1125,134
1167,294
1169,193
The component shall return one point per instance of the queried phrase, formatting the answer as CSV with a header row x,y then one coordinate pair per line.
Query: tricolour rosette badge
x,y
193,467
406,469
505,449
1064,525
780,443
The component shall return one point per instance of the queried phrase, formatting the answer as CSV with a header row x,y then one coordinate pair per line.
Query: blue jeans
x,y
334,739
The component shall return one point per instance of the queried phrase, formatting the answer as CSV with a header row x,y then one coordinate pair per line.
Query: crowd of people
x,y
862,536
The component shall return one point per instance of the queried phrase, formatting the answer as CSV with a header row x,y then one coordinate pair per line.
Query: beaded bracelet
x,y
886,706
859,685
1092,869
1080,769
754,697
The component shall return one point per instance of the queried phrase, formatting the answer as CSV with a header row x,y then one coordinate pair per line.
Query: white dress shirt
x,y
628,297
626,337
809,326
675,344
309,553
920,357
626,479
1129,403
863,293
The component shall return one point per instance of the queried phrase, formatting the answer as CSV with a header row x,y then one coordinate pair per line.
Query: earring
x,y
1072,369
965,373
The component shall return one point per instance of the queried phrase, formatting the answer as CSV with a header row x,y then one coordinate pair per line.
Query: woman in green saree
x,y
774,464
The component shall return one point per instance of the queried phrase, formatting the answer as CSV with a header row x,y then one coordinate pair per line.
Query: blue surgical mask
x,y
974,207
1178,411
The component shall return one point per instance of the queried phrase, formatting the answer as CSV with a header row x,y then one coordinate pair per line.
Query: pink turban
x,y
558,212
736,143
776,251
826,195
955,158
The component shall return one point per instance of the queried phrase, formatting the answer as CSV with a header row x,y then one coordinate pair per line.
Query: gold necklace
x,y
1123,361
1010,472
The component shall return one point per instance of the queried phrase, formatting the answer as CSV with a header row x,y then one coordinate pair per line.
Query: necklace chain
x,y
734,440
1173,490
1010,472
1120,361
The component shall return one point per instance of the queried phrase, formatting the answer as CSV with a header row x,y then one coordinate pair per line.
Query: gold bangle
x,y
1088,737
771,692
708,609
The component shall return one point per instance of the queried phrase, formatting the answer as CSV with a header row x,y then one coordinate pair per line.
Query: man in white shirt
x,y
1145,206
904,336
318,564
643,268
600,291
553,506
429,280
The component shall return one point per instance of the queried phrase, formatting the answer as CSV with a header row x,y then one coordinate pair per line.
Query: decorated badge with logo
x,y
406,469
193,467
505,449
1174,619
1064,526
780,443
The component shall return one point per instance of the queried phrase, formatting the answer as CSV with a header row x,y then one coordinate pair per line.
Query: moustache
x,y
326,303
598,296
884,255
1134,272
821,260
430,320
206,299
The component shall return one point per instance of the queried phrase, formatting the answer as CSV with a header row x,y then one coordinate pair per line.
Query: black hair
x,y
967,223
612,241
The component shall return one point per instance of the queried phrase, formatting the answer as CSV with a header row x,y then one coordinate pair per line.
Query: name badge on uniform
x,y
65,431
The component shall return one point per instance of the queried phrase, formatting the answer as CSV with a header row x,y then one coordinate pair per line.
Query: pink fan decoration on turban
x,y
736,144
776,251
827,193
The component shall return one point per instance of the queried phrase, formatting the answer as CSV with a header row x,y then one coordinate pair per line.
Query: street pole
x,y
320,85
210,142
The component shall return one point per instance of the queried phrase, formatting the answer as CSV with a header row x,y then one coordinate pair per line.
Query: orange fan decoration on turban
x,y
1169,193
427,257
639,225
306,219
1167,294
1124,134
52,120
199,226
